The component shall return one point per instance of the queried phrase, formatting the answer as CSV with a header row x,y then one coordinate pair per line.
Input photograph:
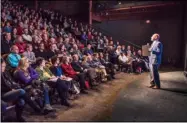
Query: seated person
x,y
135,65
8,27
84,38
113,57
52,51
11,91
62,51
124,61
98,67
6,43
123,49
108,65
129,51
88,50
20,28
26,37
26,75
141,62
77,33
77,51
17,101
20,44
13,58
97,62
129,62
29,54
77,66
53,81
100,45
70,72
41,52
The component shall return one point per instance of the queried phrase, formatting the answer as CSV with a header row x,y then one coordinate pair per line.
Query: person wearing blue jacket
x,y
13,58
155,59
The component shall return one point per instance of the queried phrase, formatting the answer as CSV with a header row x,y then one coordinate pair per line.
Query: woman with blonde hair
x,y
26,75
84,62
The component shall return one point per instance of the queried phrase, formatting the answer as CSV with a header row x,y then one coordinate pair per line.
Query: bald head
x,y
155,37
14,49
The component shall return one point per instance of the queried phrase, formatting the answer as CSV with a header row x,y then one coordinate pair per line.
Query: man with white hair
x,y
155,60
26,36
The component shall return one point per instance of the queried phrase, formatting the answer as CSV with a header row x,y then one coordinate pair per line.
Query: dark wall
x,y
66,7
139,32
79,9
185,35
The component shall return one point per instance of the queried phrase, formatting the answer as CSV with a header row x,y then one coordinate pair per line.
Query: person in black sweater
x,y
52,51
41,52
89,73
6,44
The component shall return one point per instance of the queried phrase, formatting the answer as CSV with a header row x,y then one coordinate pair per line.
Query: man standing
x,y
155,60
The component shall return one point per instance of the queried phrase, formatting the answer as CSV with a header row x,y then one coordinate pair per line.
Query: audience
x,y
28,33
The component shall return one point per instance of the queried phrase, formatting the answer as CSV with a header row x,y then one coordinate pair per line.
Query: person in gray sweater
x,y
29,54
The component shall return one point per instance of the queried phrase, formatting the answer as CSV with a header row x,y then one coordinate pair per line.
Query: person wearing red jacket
x,y
20,44
70,72
89,35
20,28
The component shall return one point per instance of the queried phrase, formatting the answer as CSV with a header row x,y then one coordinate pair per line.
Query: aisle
x,y
140,103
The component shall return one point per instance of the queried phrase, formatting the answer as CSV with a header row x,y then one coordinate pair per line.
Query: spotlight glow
x,y
148,21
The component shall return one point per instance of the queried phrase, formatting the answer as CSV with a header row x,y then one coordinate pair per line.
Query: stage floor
x,y
139,103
